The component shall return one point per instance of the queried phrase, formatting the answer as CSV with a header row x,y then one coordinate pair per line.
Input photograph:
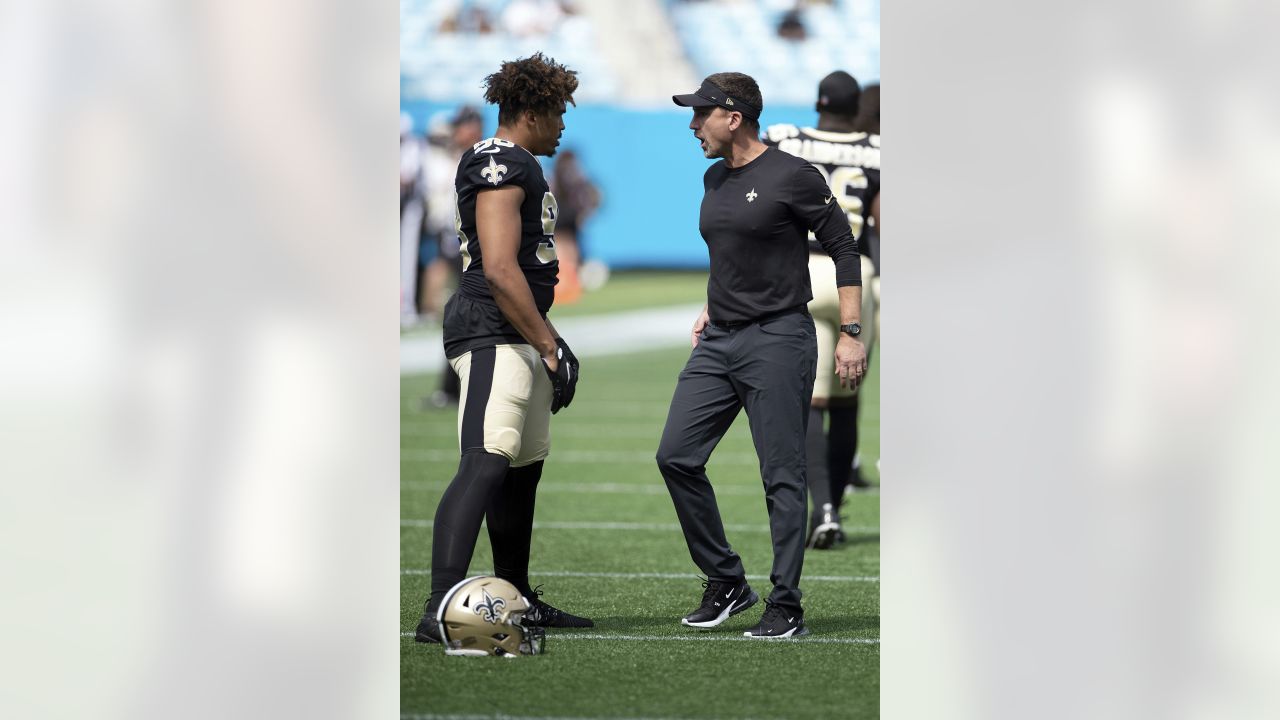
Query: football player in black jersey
x,y
850,162
515,369
754,347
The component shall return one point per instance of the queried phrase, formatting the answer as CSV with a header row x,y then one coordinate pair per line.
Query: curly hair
x,y
538,84
743,87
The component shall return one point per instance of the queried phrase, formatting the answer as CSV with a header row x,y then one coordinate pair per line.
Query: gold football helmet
x,y
484,616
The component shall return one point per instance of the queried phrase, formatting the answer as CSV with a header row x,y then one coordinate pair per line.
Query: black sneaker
x,y
428,630
541,614
856,481
778,623
719,601
826,528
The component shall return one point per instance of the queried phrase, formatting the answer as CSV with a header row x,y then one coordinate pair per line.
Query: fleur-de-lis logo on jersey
x,y
490,608
751,196
494,172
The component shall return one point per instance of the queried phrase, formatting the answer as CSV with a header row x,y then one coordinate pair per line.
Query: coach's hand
x,y
563,378
699,324
851,362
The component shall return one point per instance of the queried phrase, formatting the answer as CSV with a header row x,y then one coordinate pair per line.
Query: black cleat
x,y
778,623
541,614
826,529
719,601
428,630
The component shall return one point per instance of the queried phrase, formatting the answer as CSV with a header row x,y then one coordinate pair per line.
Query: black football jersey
x,y
848,161
755,219
489,164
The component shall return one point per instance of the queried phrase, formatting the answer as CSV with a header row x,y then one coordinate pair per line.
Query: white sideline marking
x,y
704,637
619,457
411,522
590,336
606,488
662,576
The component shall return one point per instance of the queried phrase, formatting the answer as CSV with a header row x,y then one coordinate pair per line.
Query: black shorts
x,y
470,324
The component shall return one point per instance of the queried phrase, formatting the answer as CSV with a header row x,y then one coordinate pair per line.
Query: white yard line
x,y
413,522
662,576
587,429
604,488
502,716
606,457
701,637
593,488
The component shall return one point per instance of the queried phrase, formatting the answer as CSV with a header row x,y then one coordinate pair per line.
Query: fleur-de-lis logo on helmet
x,y
494,172
490,608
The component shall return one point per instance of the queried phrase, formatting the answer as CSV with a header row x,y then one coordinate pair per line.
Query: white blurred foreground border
x,y
199,389
199,386
1080,401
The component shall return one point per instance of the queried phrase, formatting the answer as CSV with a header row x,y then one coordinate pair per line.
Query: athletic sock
x,y
510,522
458,517
815,445
842,444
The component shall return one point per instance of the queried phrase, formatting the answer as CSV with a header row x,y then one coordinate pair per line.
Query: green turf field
x,y
604,514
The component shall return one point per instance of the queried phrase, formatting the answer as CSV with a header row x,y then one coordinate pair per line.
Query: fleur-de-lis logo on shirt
x,y
493,172
751,196
490,608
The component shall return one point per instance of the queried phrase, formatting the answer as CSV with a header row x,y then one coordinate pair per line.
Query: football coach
x,y
754,347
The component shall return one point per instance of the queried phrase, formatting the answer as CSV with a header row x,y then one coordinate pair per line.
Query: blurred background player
x,y
868,121
850,162
577,198
440,245
440,238
412,210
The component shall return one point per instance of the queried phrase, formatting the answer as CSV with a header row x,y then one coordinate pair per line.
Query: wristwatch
x,y
853,329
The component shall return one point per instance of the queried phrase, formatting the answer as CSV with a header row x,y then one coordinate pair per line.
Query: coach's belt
x,y
735,324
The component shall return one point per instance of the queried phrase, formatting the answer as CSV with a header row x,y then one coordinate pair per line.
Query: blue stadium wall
x,y
649,170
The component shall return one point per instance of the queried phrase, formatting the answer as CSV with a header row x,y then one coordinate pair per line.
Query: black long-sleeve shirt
x,y
755,220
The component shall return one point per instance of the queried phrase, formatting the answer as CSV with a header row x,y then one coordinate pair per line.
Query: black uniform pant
x,y
766,367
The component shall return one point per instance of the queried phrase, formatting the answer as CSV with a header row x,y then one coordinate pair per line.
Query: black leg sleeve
x,y
510,522
842,439
816,471
458,517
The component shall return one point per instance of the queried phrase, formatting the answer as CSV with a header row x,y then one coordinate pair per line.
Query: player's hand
x,y
698,326
563,377
572,361
851,362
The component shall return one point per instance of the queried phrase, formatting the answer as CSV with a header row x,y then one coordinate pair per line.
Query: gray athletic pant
x,y
767,368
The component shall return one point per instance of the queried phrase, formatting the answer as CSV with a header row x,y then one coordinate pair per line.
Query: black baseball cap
x,y
838,93
708,94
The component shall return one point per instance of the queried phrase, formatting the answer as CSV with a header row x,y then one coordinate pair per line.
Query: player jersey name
x,y
827,153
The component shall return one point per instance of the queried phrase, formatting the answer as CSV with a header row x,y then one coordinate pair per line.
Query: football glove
x,y
573,363
563,379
